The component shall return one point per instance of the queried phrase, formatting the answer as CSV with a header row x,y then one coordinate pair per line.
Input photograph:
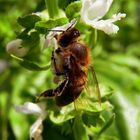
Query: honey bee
x,y
71,60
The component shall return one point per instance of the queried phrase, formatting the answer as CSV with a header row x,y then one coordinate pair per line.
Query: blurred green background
x,y
116,62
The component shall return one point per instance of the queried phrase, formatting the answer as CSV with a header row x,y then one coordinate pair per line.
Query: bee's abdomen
x,y
72,91
81,53
69,95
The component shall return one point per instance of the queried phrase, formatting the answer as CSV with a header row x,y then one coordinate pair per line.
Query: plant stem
x,y
52,6
121,122
93,38
5,117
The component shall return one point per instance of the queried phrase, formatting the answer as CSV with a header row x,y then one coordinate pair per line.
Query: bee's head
x,y
68,36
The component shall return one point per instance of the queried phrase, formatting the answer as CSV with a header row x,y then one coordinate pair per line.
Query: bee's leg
x,y
47,93
64,83
55,92
96,83
67,68
54,63
62,86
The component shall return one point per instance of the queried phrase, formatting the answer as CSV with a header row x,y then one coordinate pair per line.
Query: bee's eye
x,y
64,41
76,33
58,50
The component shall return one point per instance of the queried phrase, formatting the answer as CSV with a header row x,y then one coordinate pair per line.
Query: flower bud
x,y
15,47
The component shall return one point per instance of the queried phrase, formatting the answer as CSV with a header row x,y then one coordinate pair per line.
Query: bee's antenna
x,y
72,23
53,30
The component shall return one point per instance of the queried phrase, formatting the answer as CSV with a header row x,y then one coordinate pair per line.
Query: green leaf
x,y
73,9
23,34
28,21
16,120
107,124
90,118
31,43
31,38
68,113
126,117
43,26
128,60
30,65
107,94
79,129
34,38
94,107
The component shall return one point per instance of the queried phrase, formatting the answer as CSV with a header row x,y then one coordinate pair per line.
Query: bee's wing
x,y
96,83
80,103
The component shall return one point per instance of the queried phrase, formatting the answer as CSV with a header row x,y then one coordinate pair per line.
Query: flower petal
x,y
29,108
94,9
36,129
99,8
107,25
116,17
50,41
85,5
32,108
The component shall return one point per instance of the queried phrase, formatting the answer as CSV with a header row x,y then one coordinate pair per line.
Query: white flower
x,y
93,10
38,109
15,47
